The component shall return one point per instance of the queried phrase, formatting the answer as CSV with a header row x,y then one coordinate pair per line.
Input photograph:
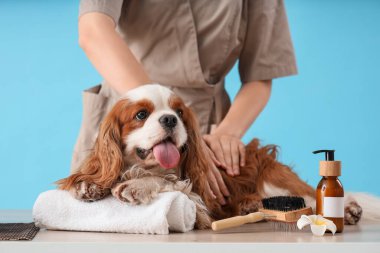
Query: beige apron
x,y
190,46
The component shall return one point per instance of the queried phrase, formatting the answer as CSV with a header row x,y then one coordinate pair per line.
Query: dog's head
x,y
153,124
149,126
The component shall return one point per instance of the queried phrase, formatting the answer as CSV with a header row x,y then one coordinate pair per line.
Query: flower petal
x,y
331,226
314,218
320,219
318,230
303,221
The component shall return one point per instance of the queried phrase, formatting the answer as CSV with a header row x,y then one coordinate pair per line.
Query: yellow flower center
x,y
319,222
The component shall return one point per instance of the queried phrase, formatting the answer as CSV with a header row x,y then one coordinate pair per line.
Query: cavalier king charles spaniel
x,y
150,143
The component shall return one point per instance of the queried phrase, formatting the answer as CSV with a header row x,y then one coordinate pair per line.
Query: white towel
x,y
58,210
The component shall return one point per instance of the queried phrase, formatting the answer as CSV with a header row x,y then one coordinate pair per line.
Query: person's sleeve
x,y
111,8
267,51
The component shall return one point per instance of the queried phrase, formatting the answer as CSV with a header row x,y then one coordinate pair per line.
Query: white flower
x,y
317,223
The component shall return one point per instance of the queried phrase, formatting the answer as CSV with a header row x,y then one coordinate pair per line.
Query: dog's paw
x,y
248,205
136,192
88,192
203,219
135,172
352,213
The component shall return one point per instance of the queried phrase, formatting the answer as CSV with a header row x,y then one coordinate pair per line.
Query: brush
x,y
282,211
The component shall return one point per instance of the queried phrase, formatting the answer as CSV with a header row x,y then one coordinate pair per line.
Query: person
x,y
188,46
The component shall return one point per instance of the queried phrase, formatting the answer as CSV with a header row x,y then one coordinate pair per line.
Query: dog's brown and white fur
x,y
122,162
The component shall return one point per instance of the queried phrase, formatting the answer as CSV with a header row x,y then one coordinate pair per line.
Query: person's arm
x,y
248,104
109,53
225,141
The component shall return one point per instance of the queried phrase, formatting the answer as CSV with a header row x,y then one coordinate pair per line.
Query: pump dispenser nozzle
x,y
329,167
329,154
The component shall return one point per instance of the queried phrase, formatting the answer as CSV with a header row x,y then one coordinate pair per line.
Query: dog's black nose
x,y
168,121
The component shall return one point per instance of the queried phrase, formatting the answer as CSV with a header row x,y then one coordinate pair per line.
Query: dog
x,y
150,143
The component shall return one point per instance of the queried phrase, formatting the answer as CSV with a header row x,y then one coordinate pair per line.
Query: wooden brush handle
x,y
237,221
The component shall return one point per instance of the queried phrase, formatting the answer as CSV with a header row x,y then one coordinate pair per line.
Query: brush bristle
x,y
283,203
284,226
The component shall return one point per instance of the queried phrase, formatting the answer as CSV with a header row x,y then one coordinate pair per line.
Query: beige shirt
x,y
190,46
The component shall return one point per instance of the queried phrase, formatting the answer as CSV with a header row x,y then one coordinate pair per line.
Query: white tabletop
x,y
259,237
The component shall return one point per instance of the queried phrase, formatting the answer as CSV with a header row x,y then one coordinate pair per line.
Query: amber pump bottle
x,y
330,194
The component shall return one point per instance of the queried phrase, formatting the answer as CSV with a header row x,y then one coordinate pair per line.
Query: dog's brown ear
x,y
195,163
104,163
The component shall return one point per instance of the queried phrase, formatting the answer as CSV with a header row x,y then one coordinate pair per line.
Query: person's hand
x,y
215,186
228,151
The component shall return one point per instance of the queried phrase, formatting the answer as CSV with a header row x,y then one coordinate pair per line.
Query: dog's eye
x,y
141,115
179,113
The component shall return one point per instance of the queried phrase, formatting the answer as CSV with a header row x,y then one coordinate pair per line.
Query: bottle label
x,y
333,207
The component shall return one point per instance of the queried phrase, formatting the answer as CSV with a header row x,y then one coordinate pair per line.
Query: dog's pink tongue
x,y
166,153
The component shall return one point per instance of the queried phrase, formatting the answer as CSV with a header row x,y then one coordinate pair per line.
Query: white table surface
x,y
259,237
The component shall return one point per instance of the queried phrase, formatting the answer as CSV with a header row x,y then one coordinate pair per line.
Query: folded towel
x,y
58,210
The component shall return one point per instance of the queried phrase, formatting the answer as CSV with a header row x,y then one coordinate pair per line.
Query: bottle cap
x,y
329,167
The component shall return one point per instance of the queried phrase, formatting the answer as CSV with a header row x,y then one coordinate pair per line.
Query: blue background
x,y
334,102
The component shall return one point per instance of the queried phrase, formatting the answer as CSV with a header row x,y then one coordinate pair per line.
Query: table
x,y
259,237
